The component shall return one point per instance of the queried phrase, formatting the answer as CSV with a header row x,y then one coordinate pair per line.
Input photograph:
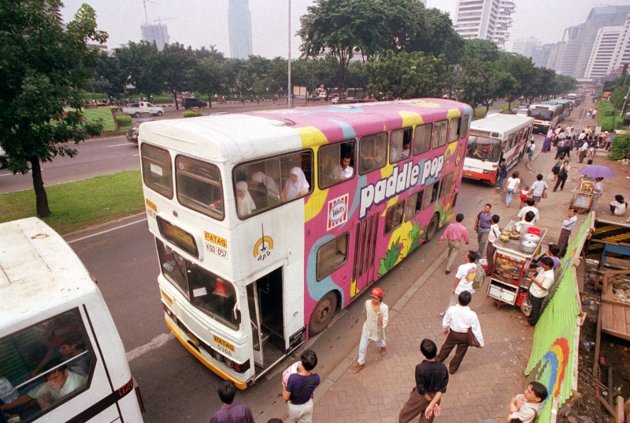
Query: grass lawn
x,y
104,113
609,117
78,205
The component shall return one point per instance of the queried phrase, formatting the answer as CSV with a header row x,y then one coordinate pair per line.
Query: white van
x,y
61,358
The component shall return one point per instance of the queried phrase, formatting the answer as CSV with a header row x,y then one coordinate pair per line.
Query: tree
x,y
108,76
479,81
208,77
407,75
141,63
176,62
43,69
482,50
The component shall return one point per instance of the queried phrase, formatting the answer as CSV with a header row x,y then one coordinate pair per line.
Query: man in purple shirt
x,y
230,411
455,234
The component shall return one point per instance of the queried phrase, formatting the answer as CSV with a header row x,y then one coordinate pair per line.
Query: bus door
x,y
365,237
264,298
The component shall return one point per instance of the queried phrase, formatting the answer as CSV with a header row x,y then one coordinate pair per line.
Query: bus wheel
x,y
433,227
323,313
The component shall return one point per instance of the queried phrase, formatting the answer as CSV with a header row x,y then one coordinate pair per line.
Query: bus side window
x,y
453,130
431,194
413,205
336,163
157,171
296,171
45,365
440,129
464,126
394,217
422,138
446,185
372,152
331,256
199,186
400,145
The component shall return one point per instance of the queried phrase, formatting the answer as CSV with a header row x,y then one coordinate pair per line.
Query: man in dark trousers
x,y
230,411
431,381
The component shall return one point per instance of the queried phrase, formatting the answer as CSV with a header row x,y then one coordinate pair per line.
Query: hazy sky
x,y
199,23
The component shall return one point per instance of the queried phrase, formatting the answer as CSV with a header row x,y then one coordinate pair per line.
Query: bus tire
x,y
323,313
433,227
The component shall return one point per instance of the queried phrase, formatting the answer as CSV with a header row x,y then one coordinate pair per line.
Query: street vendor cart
x,y
583,197
515,251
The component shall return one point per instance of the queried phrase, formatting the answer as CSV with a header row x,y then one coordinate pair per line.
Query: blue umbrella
x,y
597,171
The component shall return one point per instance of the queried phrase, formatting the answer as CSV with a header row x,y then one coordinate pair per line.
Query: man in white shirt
x,y
455,325
345,170
538,188
526,406
465,276
567,226
583,150
539,289
529,207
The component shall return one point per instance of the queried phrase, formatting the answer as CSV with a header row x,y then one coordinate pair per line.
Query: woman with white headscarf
x,y
296,185
268,182
244,201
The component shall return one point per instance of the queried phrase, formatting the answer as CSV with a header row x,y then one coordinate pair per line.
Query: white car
x,y
3,158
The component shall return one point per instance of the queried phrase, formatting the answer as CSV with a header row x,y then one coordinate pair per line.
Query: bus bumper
x,y
211,366
480,176
540,129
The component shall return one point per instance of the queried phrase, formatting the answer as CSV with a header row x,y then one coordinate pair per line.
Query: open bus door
x,y
364,271
264,298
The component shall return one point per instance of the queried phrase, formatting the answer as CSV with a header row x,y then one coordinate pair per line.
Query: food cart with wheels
x,y
515,251
583,197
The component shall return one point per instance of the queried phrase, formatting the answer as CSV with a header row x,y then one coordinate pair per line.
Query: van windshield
x,y
482,148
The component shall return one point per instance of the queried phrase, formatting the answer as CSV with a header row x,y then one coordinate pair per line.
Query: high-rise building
x,y
485,19
600,61
581,38
155,33
621,56
525,46
240,29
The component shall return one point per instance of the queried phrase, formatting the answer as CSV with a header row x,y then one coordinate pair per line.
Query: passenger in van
x,y
244,201
73,346
296,185
58,384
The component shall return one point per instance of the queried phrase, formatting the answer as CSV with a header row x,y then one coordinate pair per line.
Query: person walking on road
x,y
376,318
583,149
482,227
455,325
567,226
531,150
230,411
538,188
300,387
431,380
563,175
455,234
502,173
512,185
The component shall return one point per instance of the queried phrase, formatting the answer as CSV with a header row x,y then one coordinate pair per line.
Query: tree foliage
x,y
43,69
175,61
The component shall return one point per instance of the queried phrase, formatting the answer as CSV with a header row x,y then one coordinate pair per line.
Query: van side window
x,y
45,365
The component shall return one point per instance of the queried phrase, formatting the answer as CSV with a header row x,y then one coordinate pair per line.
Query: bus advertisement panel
x,y
267,223
545,116
493,138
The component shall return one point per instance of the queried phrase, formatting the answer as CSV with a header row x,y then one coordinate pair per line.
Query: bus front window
x,y
199,186
481,148
209,293
540,113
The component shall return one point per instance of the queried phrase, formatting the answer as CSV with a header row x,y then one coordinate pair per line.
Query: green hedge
x,y
609,116
192,113
620,147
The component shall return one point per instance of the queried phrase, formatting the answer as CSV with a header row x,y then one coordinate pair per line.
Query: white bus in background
x,y
492,138
61,358
545,116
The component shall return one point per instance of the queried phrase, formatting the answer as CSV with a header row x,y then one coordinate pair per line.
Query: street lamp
x,y
289,96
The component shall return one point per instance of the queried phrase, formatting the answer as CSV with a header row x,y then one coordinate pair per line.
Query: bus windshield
x,y
541,113
482,148
207,292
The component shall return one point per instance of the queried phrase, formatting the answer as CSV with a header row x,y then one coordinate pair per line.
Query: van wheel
x,y
433,227
323,313
160,113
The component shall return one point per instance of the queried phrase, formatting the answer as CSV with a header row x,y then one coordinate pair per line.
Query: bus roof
x,y
237,137
561,101
501,123
37,269
546,105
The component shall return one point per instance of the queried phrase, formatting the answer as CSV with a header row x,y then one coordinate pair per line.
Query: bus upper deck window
x,y
400,145
336,163
199,186
156,170
440,129
422,138
464,126
372,152
453,130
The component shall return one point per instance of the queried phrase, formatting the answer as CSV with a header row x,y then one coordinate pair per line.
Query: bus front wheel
x,y
323,313
433,227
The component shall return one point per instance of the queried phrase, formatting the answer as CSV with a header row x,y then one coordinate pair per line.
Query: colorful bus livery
x,y
268,222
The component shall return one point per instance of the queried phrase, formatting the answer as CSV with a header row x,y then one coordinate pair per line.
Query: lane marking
x,y
155,343
118,145
107,231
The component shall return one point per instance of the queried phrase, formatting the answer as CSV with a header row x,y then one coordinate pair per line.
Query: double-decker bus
x,y
492,138
268,222
545,116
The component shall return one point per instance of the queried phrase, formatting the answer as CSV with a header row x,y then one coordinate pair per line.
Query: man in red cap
x,y
376,317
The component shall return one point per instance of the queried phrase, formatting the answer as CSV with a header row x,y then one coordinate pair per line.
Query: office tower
x,y
600,61
155,33
525,46
621,56
240,29
485,19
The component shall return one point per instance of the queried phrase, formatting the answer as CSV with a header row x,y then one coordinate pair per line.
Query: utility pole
x,y
289,93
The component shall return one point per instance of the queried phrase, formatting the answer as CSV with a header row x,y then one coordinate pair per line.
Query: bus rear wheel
x,y
433,227
323,313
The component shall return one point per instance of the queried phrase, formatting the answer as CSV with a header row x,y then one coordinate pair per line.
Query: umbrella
x,y
597,171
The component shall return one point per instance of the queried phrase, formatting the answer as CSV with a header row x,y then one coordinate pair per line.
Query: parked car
x,y
143,108
193,102
521,111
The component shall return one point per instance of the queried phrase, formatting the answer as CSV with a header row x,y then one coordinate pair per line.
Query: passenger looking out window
x,y
296,185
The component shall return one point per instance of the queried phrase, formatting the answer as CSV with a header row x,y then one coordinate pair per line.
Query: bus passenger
x,y
244,201
270,185
296,185
345,170
406,148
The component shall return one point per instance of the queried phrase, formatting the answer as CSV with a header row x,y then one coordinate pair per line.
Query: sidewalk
x,y
489,377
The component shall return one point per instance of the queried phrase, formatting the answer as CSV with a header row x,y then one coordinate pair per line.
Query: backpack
x,y
480,275
556,168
